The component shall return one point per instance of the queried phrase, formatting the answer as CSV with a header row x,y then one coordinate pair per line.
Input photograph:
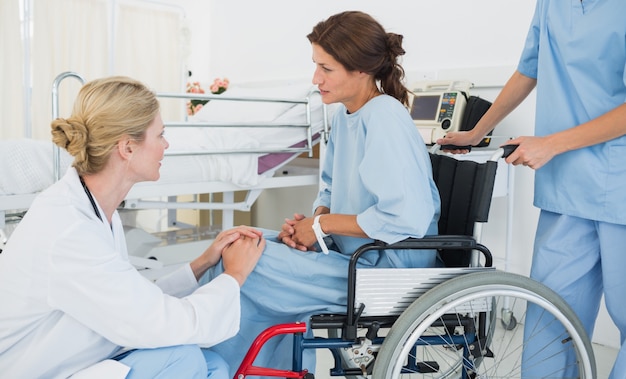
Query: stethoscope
x,y
91,199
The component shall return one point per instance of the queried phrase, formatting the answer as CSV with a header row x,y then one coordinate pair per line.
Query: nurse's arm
x,y
535,152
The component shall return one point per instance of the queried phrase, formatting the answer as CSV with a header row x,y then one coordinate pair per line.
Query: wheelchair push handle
x,y
508,150
503,152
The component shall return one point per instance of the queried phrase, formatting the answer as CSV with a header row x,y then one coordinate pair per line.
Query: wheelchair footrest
x,y
338,321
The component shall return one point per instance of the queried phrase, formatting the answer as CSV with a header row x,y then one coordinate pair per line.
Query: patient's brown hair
x,y
105,111
360,43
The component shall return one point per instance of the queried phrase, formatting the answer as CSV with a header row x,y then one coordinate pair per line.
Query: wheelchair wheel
x,y
458,320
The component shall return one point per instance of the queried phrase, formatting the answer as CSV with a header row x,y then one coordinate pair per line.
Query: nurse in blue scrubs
x,y
575,57
377,184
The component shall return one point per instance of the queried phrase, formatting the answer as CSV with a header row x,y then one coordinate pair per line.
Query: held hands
x,y
239,248
297,233
241,255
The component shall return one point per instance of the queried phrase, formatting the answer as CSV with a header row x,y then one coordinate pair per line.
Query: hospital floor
x,y
605,356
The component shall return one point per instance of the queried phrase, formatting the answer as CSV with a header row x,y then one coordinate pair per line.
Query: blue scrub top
x,y
577,52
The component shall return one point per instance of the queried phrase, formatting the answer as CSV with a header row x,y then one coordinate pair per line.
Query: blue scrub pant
x,y
580,260
183,361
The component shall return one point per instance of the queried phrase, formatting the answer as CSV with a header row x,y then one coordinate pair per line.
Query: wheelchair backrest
x,y
465,188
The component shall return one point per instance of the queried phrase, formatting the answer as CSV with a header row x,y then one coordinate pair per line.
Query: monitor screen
x,y
425,107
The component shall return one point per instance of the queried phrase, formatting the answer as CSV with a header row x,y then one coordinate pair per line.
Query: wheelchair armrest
x,y
430,242
435,242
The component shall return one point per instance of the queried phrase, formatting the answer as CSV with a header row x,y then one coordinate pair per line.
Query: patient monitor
x,y
437,107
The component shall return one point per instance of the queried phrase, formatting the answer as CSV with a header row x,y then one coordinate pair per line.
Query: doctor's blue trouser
x,y
183,361
580,260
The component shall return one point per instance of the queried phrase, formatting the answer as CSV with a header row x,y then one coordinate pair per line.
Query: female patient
x,y
377,186
70,297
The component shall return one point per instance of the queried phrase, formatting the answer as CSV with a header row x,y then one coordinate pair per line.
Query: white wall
x,y
478,40
262,40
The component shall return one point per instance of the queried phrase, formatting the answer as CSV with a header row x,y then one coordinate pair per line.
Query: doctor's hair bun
x,y
72,136
106,111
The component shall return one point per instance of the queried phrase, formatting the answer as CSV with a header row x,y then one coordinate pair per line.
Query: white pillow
x,y
27,165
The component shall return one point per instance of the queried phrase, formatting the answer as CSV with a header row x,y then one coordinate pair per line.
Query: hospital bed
x,y
441,322
237,142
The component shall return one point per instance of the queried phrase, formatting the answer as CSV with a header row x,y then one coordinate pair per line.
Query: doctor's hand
x,y
241,256
287,231
213,253
459,139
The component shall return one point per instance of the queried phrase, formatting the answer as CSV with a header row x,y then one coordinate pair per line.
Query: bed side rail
x,y
311,138
56,153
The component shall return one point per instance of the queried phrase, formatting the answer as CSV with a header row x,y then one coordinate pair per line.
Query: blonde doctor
x,y
71,299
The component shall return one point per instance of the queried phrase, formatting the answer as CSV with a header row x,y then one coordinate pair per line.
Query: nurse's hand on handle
x,y
459,142
239,248
533,152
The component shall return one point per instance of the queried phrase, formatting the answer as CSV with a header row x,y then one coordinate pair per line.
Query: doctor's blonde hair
x,y
360,43
105,111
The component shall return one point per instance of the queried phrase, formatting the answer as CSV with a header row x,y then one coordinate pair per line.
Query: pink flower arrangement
x,y
219,86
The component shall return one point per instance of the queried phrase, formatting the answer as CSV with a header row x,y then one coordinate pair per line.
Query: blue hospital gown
x,y
376,167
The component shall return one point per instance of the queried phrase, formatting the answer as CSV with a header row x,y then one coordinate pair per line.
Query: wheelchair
x,y
447,322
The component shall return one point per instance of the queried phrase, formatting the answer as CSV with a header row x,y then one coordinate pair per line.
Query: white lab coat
x,y
69,297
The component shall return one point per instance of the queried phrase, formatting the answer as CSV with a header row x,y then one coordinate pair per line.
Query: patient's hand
x,y
288,230
304,235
